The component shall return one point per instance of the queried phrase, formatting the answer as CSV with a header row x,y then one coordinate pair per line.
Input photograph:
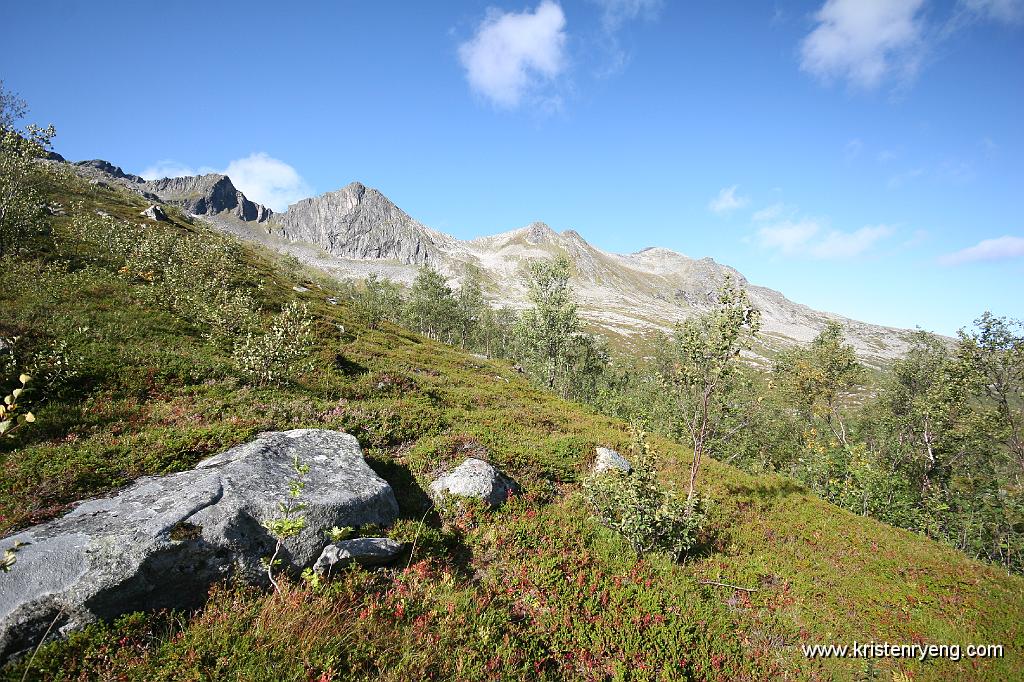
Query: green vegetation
x,y
290,521
637,506
135,332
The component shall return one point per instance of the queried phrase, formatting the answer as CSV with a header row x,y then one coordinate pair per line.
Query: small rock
x,y
154,212
609,460
363,551
301,290
474,478
332,300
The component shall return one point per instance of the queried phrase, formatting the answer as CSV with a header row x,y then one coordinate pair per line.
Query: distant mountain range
x,y
357,231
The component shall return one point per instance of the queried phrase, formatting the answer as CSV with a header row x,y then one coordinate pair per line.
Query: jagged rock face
x,y
209,195
108,168
359,222
162,541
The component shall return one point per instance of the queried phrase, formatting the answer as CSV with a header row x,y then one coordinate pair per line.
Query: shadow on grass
x,y
348,367
767,492
434,538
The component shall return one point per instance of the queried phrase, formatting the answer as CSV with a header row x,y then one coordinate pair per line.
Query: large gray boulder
x,y
162,541
474,478
609,460
363,551
154,212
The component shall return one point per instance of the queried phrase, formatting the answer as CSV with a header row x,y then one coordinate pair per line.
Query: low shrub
x,y
646,513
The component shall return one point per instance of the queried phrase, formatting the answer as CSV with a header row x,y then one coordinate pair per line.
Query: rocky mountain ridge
x,y
207,195
357,231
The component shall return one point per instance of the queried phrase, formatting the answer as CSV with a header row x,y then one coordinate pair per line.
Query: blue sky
x,y
862,157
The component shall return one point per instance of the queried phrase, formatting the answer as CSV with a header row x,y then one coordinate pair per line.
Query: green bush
x,y
648,515
267,357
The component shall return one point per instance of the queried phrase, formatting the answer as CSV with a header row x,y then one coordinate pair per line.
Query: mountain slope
x,y
210,195
357,231
538,590
625,295
357,222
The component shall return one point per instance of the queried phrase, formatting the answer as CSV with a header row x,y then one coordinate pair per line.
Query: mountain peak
x,y
359,222
539,233
209,194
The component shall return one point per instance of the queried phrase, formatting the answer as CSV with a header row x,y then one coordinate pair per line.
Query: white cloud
x,y
727,201
899,179
514,54
167,168
769,212
1006,11
260,177
268,181
806,237
789,237
837,244
614,13
867,41
864,41
1000,248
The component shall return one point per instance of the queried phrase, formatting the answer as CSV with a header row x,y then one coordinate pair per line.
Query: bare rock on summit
x,y
162,541
360,222
107,168
209,195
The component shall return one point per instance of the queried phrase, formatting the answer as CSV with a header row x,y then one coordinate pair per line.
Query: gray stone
x,y
609,460
208,195
162,541
300,289
154,212
363,551
360,222
474,478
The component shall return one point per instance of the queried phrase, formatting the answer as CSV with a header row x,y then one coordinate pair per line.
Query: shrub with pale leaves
x,y
269,356
644,512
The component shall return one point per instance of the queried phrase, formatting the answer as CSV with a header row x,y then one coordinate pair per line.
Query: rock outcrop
x,y
154,212
474,478
210,194
361,223
609,460
107,168
162,541
363,551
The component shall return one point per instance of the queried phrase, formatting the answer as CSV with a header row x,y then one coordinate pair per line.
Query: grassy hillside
x,y
537,590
